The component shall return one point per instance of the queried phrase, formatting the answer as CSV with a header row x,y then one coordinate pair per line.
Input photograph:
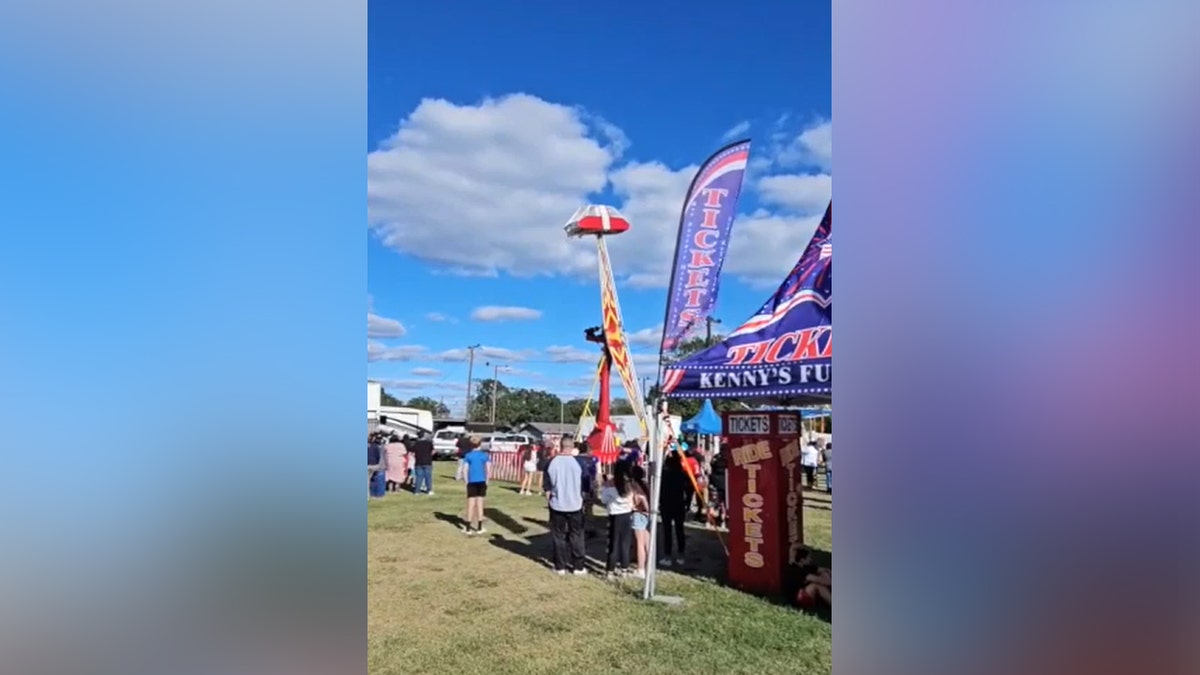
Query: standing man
x,y
564,487
587,483
809,458
423,465
464,446
478,471
827,458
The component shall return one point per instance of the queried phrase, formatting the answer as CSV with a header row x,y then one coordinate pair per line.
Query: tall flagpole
x,y
712,173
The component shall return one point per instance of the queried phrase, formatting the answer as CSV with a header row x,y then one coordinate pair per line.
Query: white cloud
x,y
646,337
391,385
652,195
736,131
488,187
764,247
438,317
564,354
813,147
801,193
377,351
426,372
485,189
379,327
644,361
494,313
494,353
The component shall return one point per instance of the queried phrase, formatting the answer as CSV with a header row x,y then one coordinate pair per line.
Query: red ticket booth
x,y
765,497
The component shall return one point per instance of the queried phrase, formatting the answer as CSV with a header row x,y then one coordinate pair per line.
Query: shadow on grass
x,y
504,520
454,519
539,546
706,558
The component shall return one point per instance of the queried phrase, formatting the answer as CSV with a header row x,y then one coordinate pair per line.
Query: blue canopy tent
x,y
707,422
783,352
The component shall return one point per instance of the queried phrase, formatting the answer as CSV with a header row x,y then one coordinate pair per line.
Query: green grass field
x,y
442,602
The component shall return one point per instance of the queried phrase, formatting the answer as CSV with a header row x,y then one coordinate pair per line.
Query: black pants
x,y
620,541
672,521
810,475
567,531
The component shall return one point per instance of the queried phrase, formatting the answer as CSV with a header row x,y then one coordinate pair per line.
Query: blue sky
x,y
486,129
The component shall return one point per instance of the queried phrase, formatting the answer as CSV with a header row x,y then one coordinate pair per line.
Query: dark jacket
x,y
676,490
587,467
422,452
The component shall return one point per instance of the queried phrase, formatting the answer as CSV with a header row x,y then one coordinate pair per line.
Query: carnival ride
x,y
600,222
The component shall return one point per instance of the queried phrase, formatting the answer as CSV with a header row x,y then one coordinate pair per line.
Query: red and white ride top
x,y
593,219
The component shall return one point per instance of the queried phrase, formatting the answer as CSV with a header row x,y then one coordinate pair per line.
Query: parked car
x,y
445,443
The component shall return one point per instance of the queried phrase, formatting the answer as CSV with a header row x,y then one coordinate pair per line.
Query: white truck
x,y
501,442
445,442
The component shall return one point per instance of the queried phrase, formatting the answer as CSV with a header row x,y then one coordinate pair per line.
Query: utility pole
x,y
708,324
470,369
495,385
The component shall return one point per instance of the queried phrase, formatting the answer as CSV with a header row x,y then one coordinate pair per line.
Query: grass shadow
x,y
504,520
454,519
539,547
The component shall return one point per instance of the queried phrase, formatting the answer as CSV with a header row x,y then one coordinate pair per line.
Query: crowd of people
x,y
395,463
574,483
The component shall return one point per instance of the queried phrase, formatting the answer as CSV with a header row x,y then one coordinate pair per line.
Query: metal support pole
x,y
470,372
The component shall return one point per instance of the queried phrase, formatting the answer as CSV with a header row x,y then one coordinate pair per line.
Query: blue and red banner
x,y
784,350
704,227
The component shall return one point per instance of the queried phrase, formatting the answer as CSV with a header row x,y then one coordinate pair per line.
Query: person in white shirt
x,y
618,497
810,457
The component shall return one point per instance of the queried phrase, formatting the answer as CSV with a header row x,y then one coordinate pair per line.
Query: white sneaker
x,y
665,562
679,562
560,572
580,573
428,494
481,530
638,574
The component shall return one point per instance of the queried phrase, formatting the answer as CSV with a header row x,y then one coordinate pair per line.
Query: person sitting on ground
x,y
816,585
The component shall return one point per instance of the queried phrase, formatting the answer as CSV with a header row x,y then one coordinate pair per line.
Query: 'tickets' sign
x,y
766,529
